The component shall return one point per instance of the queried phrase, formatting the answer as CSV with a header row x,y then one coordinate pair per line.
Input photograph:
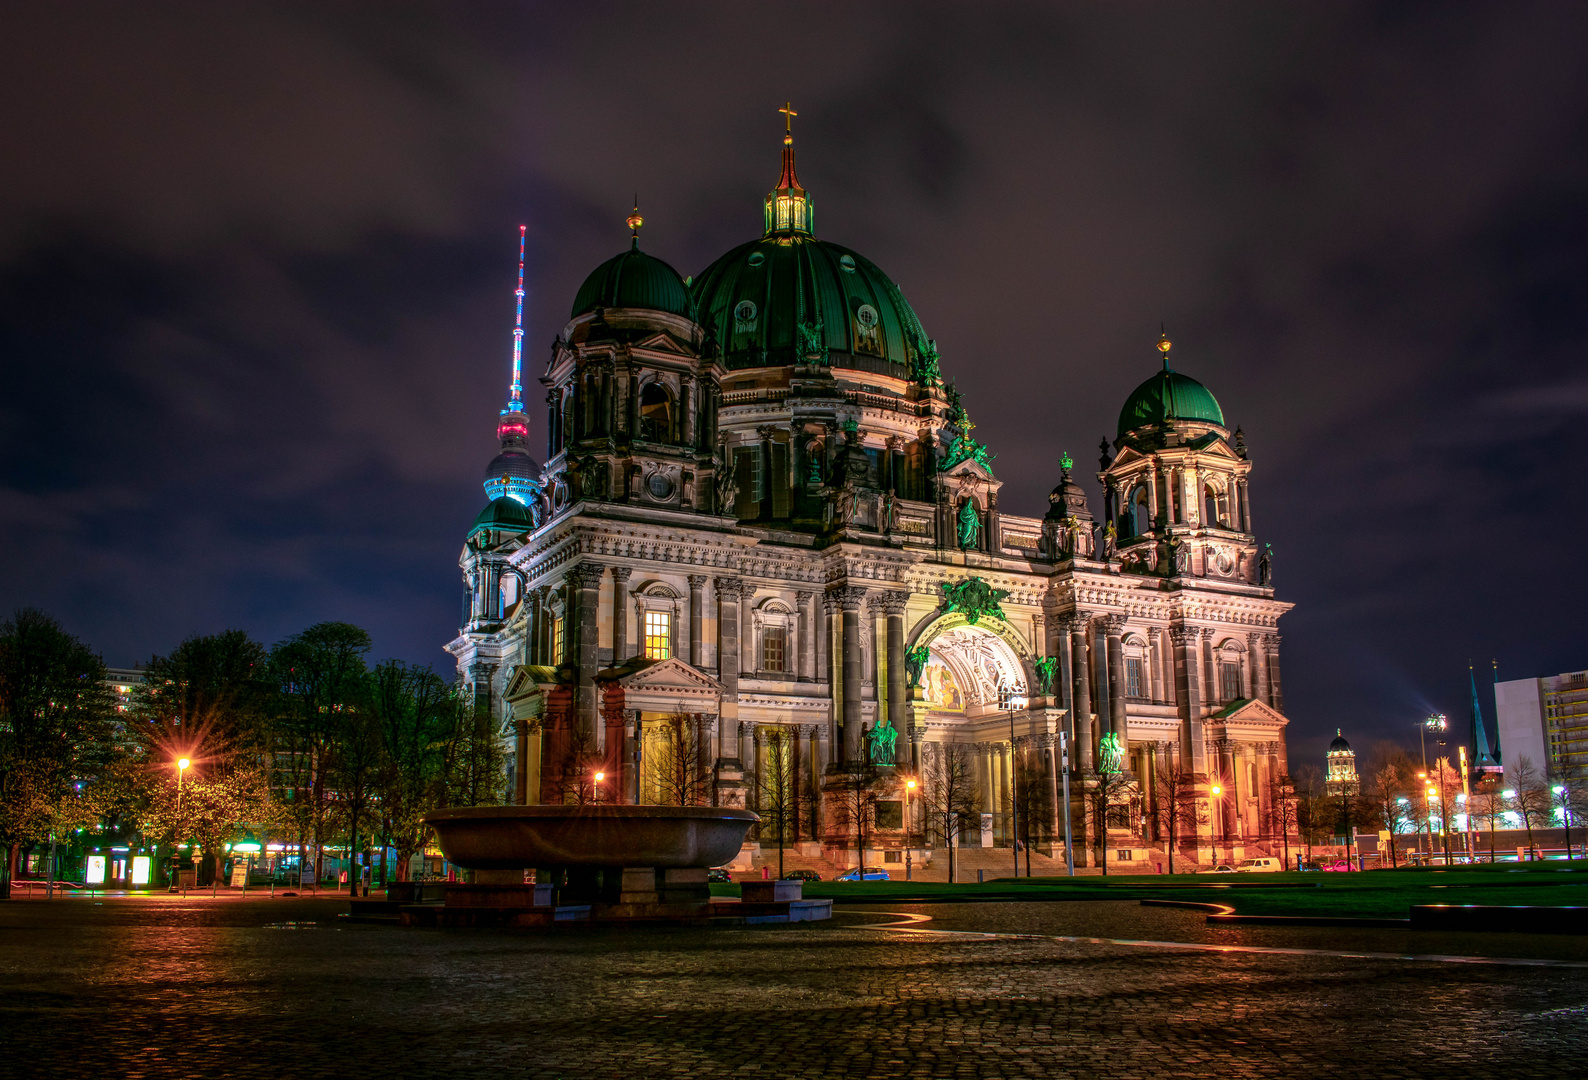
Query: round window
x,y
659,486
744,311
847,262
756,258
867,316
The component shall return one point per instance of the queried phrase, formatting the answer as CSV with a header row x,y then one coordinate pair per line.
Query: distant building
x,y
1341,778
1546,721
123,681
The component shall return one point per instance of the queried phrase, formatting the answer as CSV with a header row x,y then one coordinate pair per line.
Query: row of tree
x,y
304,741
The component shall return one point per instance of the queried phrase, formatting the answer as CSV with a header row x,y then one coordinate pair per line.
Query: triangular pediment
x,y
969,469
663,342
670,674
527,680
1237,712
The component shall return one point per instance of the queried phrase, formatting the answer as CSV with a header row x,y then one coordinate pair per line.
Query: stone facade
x,y
770,567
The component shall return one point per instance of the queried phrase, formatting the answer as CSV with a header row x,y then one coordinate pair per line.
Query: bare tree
x,y
1385,794
1444,781
856,787
776,788
1486,805
1030,802
573,780
1531,799
1282,813
949,791
1175,806
682,761
1105,792
1312,810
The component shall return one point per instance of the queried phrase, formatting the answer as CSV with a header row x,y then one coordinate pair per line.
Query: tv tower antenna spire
x,y
515,399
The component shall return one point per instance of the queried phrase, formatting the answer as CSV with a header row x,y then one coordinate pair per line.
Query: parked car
x,y
1259,866
802,875
718,874
870,873
1221,868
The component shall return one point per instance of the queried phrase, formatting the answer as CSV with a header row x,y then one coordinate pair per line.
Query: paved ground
x,y
165,987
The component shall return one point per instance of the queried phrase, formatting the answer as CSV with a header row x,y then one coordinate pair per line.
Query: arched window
x,y
656,413
1215,511
1140,507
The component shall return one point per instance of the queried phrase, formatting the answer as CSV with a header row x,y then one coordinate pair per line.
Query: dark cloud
x,y
255,275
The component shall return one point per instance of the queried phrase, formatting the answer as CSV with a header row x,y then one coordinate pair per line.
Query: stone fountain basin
x,y
523,837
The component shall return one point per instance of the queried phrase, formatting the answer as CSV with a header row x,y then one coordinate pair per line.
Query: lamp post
x,y
1560,792
1064,765
1015,703
1428,810
595,795
909,789
181,769
1214,791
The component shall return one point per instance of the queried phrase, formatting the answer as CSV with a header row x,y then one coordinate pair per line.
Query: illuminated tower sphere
x,y
1341,765
513,473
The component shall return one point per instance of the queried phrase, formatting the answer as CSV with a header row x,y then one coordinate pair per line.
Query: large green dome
x,y
634,280
756,298
1169,395
506,514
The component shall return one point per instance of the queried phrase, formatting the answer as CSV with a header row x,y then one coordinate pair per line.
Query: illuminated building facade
x,y
765,554
1545,721
1340,767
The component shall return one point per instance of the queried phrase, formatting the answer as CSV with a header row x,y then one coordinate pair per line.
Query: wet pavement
x,y
167,987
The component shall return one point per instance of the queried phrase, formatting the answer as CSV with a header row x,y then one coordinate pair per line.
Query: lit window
x,y
774,646
556,640
1133,676
658,639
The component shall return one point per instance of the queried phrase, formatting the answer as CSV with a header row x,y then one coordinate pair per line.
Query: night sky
x,y
256,273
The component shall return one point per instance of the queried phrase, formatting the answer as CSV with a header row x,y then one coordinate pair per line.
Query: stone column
x,y
1114,629
895,481
824,642
691,407
805,657
729,590
1188,692
898,700
585,580
620,613
1097,671
697,619
850,598
1277,697
1210,675
1155,663
1081,694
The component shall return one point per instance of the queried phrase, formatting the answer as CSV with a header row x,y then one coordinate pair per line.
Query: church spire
x,y
789,209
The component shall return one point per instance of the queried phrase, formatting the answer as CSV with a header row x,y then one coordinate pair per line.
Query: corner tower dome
x,y
1167,396
789,298
634,280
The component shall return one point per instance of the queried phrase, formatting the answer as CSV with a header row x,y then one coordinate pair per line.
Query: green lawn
x,y
1375,894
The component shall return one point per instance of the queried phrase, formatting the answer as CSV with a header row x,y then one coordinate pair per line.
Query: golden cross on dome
x,y
788,117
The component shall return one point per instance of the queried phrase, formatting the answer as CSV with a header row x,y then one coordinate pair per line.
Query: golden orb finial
x,y
1164,344
634,221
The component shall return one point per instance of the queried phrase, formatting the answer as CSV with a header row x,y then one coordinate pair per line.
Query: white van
x,y
1259,866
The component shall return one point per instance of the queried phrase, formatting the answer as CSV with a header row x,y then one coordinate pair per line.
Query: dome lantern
x,y
789,209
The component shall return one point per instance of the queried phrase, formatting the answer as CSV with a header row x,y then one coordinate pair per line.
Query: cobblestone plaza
x,y
277,987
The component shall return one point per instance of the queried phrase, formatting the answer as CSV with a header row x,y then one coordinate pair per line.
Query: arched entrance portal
x,y
970,670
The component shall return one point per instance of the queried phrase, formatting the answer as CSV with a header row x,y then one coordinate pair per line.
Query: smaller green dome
x,y
634,280
1169,395
507,514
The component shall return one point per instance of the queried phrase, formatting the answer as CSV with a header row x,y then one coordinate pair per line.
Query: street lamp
x,y
1215,791
600,776
1438,723
1015,703
909,789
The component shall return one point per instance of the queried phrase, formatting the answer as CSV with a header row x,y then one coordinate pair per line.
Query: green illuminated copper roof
x,y
757,299
1169,395
507,514
634,280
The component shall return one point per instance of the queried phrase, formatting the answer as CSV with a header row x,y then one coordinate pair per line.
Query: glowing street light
x,y
1215,791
